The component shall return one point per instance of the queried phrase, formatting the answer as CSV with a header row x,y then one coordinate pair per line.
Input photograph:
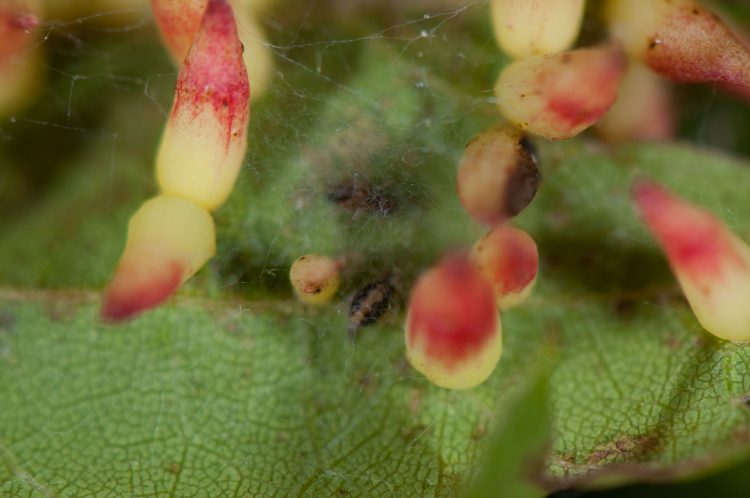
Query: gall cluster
x,y
453,329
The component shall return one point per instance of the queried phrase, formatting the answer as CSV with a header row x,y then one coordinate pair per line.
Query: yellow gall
x,y
526,28
315,278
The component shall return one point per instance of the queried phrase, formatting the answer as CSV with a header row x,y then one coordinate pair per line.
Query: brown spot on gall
x,y
523,181
497,175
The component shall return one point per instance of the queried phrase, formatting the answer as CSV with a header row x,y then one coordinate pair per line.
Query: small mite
x,y
358,196
369,304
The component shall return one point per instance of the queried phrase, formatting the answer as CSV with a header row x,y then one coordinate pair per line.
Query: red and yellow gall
x,y
559,96
508,258
169,239
711,263
453,329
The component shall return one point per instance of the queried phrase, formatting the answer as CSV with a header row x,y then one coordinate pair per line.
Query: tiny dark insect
x,y
369,304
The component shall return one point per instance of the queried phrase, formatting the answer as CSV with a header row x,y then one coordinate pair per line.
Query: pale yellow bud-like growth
x,y
20,59
315,278
680,40
527,28
711,263
643,110
205,139
169,239
559,96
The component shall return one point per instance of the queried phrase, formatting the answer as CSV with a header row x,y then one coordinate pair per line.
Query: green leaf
x,y
514,452
234,389
228,393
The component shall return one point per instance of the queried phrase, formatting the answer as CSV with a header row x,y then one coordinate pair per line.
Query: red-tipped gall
x,y
559,96
497,175
169,239
179,21
508,258
453,329
680,40
711,263
205,139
